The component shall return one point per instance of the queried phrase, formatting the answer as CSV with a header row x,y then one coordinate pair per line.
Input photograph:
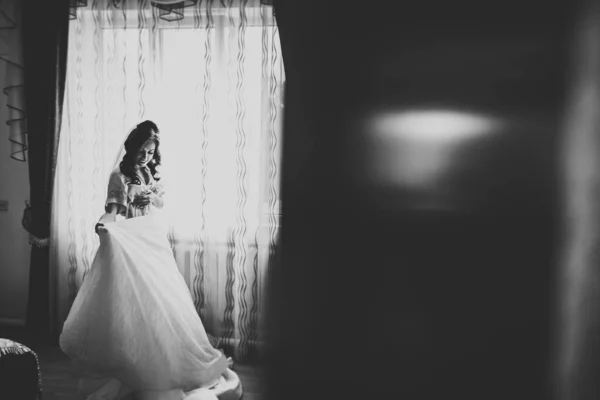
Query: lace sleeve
x,y
117,191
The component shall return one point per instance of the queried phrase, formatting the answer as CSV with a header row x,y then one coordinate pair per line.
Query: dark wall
x,y
379,295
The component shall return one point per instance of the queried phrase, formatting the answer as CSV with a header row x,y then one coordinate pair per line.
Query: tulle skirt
x,y
134,319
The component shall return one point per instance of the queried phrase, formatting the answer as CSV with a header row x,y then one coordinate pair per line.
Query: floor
x,y
59,384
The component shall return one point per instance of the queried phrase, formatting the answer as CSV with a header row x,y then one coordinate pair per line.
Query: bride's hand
x,y
142,200
146,199
99,228
109,216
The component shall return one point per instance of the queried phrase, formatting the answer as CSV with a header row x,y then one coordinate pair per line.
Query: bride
x,y
133,331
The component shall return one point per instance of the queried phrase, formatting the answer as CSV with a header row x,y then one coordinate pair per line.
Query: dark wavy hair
x,y
143,132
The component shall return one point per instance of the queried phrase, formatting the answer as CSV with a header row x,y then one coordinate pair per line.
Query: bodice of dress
x,y
122,191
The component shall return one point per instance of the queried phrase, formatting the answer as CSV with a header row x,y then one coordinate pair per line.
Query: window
x,y
215,95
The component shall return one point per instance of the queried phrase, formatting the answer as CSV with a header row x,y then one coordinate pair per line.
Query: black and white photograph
x,y
296,200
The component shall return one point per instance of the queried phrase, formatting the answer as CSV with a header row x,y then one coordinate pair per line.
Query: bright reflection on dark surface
x,y
417,149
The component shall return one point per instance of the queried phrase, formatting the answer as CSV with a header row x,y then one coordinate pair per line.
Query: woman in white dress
x,y
133,330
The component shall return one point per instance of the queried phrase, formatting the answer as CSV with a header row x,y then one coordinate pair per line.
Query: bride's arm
x,y
109,216
116,200
111,213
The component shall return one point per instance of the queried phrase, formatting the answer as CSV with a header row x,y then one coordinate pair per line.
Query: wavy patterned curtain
x,y
11,52
211,76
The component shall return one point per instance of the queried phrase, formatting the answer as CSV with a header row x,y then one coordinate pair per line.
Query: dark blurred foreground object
x,y
389,289
20,376
578,357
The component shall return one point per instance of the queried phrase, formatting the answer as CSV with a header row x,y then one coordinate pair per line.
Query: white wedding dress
x,y
133,327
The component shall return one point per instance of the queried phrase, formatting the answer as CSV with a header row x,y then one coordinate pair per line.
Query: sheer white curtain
x,y
212,82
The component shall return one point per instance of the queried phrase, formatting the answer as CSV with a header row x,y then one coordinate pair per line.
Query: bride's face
x,y
146,153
